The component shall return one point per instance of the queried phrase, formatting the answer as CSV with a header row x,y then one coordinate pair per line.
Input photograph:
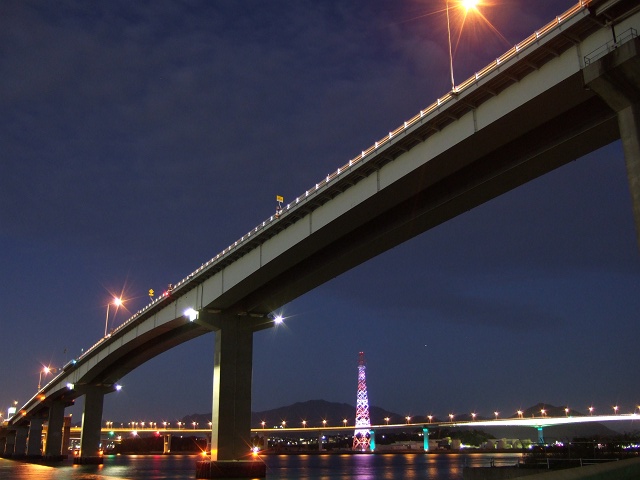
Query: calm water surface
x,y
279,467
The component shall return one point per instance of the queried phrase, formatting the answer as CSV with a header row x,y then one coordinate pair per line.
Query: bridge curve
x,y
525,114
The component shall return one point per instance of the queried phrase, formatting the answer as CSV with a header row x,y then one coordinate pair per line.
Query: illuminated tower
x,y
361,440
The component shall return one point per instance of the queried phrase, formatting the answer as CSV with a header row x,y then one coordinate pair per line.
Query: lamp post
x,y
467,4
453,83
117,301
46,370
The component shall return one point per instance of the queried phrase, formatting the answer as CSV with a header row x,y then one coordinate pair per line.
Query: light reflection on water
x,y
394,466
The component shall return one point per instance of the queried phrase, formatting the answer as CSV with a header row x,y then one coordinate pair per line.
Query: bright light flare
x,y
469,4
191,314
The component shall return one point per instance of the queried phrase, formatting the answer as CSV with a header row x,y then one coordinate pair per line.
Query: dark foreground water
x,y
394,466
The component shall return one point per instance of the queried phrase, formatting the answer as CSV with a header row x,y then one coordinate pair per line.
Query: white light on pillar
x,y
191,314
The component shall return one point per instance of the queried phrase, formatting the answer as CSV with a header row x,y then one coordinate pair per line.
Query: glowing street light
x,y
408,419
467,5
543,412
473,416
117,301
46,370
591,410
324,423
386,419
615,410
451,417
344,421
430,417
304,424
520,413
496,414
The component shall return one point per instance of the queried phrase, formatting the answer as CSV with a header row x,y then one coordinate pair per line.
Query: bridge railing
x,y
611,45
434,107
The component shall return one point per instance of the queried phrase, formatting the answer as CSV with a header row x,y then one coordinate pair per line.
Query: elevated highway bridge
x,y
570,88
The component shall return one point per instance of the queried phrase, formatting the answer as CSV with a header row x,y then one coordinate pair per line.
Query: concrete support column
x,y
425,435
232,370
231,406
372,440
53,445
66,435
629,124
34,439
540,436
320,447
167,443
614,78
10,443
20,446
91,425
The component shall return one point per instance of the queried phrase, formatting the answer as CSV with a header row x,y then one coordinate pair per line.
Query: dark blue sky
x,y
138,140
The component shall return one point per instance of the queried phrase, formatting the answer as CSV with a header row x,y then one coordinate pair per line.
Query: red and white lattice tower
x,y
361,439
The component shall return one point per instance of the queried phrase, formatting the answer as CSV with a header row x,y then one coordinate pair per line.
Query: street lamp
x,y
473,416
520,412
496,414
591,410
408,419
117,301
345,422
46,371
430,417
467,4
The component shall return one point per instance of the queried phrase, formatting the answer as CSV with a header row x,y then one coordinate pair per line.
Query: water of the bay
x,y
395,466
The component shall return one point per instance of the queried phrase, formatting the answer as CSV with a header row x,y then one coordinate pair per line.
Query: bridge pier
x,y
231,406
34,438
425,435
9,444
540,436
91,426
53,443
167,444
20,442
614,78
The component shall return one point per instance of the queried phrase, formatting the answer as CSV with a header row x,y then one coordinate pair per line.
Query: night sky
x,y
139,139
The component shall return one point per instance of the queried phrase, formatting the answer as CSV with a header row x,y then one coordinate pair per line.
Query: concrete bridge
x,y
570,88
